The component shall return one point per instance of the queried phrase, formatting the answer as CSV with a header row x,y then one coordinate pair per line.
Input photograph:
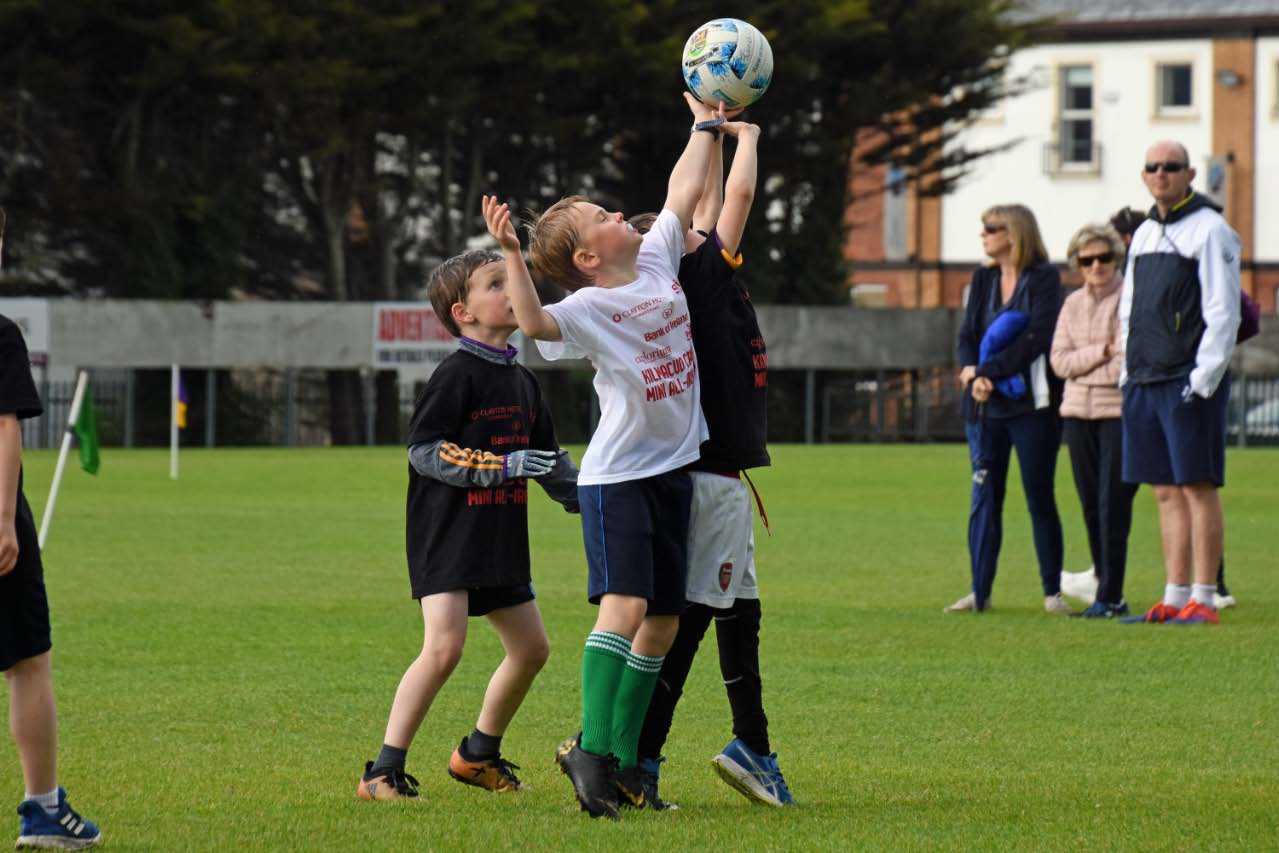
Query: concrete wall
x,y
140,334
117,334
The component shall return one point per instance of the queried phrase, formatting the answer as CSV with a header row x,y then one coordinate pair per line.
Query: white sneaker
x,y
1221,602
1080,585
1055,604
968,602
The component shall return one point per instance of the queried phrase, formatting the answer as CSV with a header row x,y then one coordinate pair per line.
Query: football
x,y
727,60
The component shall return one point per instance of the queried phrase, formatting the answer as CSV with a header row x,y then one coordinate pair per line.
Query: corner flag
x,y
86,430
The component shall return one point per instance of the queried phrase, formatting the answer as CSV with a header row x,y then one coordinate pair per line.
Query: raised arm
x,y
534,320
689,175
712,200
739,193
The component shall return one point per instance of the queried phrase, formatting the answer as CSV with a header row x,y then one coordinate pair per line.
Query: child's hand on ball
x,y
700,111
498,219
740,129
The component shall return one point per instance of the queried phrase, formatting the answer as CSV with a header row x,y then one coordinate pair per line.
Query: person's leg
x,y
990,449
604,663
444,618
1207,526
1174,534
1037,438
737,632
524,640
670,681
33,721
1083,439
1115,500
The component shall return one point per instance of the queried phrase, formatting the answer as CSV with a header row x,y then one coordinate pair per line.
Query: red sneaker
x,y
1158,614
1195,613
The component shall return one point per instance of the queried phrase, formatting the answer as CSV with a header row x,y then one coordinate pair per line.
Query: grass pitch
x,y
227,647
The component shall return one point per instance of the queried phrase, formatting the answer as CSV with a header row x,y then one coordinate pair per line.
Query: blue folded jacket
x,y
1001,333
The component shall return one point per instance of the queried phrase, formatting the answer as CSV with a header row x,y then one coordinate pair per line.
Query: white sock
x,y
49,801
1202,593
1178,595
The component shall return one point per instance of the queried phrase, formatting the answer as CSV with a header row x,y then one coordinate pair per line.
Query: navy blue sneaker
x,y
62,830
757,777
651,770
1102,610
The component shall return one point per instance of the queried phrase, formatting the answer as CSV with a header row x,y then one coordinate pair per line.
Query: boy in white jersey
x,y
629,316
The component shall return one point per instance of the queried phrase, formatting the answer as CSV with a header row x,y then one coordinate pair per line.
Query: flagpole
x,y
174,373
76,400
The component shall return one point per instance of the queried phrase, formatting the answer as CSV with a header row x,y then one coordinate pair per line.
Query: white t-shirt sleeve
x,y
572,316
663,247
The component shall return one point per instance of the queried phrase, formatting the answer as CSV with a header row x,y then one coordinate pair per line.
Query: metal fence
x,y
295,408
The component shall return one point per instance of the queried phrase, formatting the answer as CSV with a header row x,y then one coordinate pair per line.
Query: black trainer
x,y
385,783
630,787
592,778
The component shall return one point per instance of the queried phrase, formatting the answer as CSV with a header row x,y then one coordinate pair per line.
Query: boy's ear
x,y
461,314
585,261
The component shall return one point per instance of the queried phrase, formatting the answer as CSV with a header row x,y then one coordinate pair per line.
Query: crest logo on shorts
x,y
725,576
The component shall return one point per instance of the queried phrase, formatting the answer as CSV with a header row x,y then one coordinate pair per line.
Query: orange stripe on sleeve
x,y
462,457
733,261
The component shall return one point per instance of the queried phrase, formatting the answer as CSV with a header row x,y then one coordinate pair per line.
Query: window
x,y
1174,90
1075,144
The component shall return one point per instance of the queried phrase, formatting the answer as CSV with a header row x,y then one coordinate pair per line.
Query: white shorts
x,y
721,541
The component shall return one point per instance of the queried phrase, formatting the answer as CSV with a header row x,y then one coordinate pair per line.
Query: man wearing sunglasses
x,y
1178,318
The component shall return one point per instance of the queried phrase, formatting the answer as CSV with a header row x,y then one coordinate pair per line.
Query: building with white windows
x,y
1109,78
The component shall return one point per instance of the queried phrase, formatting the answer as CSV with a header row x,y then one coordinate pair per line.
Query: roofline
x,y
1243,26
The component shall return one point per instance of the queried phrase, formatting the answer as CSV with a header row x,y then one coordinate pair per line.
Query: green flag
x,y
86,429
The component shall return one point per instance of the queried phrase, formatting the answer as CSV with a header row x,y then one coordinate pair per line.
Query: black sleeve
x,y
706,275
561,483
1044,294
968,342
18,395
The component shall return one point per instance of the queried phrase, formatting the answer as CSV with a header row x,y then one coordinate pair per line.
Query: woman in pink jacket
x,y
1084,354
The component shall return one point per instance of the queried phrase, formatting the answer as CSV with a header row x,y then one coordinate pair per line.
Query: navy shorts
x,y
1168,442
24,607
636,536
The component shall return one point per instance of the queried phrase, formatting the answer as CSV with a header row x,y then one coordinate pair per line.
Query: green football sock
x,y
633,695
603,662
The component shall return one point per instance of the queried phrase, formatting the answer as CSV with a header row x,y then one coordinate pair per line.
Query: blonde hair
x,y
450,282
1096,233
552,239
1023,231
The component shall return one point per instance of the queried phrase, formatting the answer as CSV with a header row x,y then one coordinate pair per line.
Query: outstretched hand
x,y
700,111
498,219
740,129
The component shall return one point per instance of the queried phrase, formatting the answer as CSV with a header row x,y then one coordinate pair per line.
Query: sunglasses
x,y
1172,167
1085,261
993,229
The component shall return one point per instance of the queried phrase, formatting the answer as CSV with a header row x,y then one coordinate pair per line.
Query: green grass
x,y
227,647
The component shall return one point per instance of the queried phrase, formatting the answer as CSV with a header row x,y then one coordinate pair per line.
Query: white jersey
x,y
640,342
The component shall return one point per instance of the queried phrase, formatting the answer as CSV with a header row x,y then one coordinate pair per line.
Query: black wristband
x,y
710,125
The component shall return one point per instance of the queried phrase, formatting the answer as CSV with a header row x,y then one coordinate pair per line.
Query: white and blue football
x,y
727,60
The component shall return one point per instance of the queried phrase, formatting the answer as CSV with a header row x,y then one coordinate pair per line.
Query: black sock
x,y
390,758
478,746
737,630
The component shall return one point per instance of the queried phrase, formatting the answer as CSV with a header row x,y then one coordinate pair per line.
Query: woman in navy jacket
x,y
1017,277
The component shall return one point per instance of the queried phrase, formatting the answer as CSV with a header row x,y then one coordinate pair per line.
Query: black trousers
x,y
1096,458
737,634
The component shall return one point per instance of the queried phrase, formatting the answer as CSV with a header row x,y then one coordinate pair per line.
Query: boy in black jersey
x,y
721,567
26,655
480,430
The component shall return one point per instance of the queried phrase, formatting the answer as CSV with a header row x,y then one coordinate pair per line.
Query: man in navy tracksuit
x,y
1178,318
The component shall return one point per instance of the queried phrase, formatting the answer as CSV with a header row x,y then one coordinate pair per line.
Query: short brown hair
x,y
552,240
449,283
1096,233
1023,230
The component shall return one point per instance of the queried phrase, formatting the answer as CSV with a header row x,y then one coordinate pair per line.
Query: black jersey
x,y
732,360
473,537
18,396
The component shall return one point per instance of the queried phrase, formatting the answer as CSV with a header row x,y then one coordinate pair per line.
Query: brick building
x,y
1108,78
